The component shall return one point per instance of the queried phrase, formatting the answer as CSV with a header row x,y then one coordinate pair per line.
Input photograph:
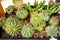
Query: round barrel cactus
x,y
10,9
12,26
44,15
2,21
22,13
27,31
54,21
52,31
35,20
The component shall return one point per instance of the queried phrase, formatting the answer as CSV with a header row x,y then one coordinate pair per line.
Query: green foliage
x,y
22,13
52,31
53,21
53,9
39,6
28,7
10,9
27,30
2,21
12,26
44,15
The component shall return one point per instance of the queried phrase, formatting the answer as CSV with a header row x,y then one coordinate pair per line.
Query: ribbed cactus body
x,y
52,31
10,9
53,21
12,26
27,31
44,15
2,21
22,13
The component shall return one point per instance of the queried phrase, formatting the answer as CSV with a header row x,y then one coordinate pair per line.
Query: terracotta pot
x,y
1,10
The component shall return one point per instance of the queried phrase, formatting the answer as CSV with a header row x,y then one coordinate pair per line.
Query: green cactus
x,y
27,31
35,20
53,9
52,31
12,26
44,15
2,21
51,3
54,21
10,9
22,13
18,3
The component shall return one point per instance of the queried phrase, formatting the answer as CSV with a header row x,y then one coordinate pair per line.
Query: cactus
x,y
18,3
54,21
51,3
53,9
36,20
27,31
44,15
52,31
12,26
2,21
10,9
22,13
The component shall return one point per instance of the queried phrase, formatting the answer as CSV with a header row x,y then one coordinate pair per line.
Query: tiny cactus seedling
x,y
27,31
18,3
10,9
54,21
12,26
52,31
51,3
22,13
44,15
2,21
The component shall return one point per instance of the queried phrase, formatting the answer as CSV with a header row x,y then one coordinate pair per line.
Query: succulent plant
x,y
44,15
53,9
52,31
12,26
37,7
18,3
27,31
10,9
54,21
35,20
2,21
22,13
51,3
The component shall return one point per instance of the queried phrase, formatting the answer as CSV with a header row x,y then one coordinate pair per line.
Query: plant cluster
x,y
38,16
